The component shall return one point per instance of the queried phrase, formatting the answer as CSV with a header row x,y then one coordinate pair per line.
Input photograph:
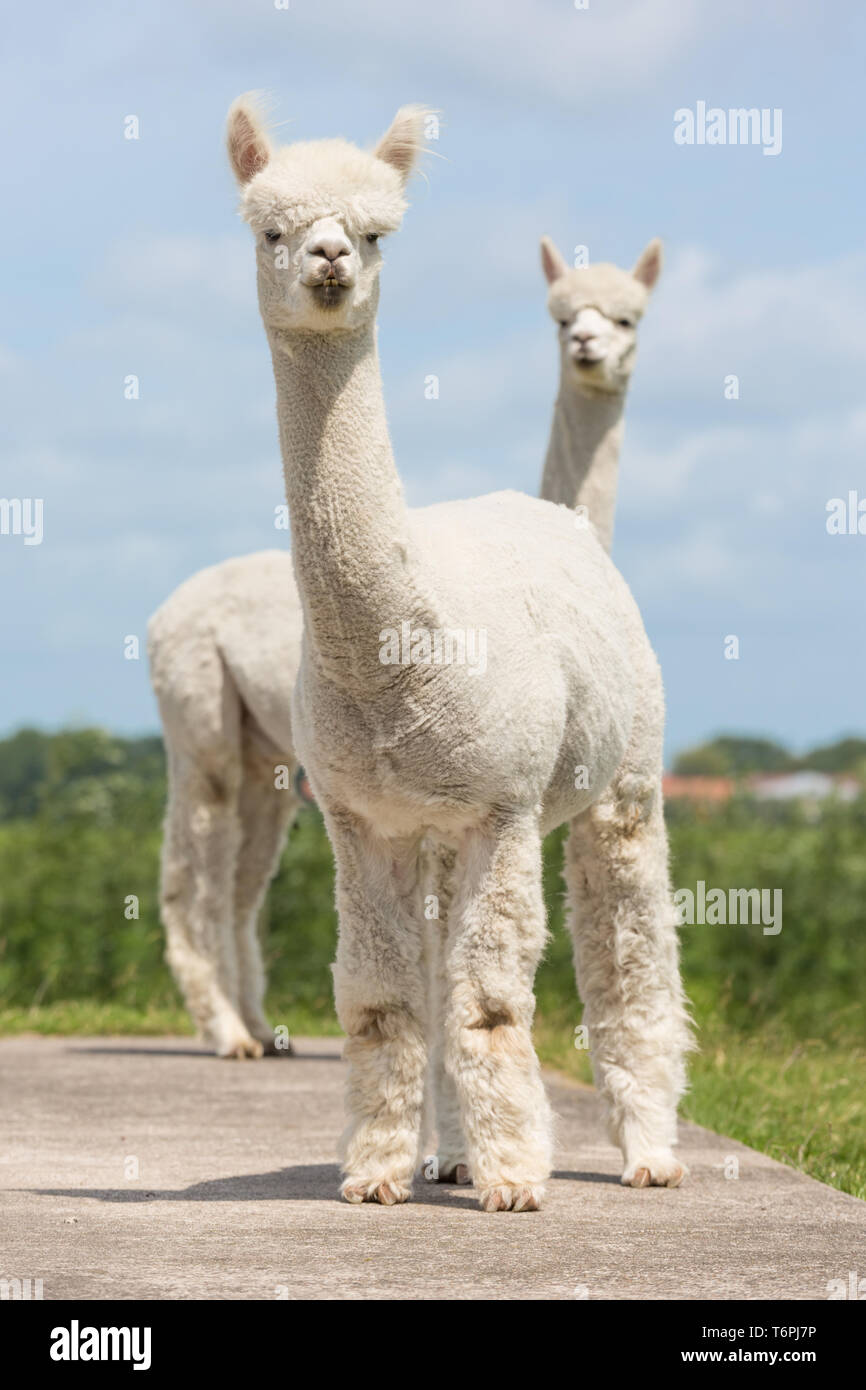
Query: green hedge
x,y
91,839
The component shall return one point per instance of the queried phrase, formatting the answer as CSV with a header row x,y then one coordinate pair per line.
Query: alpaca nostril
x,y
330,250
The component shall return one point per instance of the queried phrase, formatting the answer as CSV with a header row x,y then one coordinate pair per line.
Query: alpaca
x,y
597,309
224,693
224,650
563,724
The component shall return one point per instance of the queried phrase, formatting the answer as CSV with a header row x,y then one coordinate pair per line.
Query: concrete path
x,y
142,1168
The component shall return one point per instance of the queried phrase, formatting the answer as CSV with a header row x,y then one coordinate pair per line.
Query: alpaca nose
x,y
330,248
583,335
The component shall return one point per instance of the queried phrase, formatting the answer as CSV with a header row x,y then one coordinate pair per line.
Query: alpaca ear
x,y
403,142
648,266
248,144
552,264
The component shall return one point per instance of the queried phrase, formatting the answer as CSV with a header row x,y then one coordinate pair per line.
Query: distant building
x,y
714,789
803,786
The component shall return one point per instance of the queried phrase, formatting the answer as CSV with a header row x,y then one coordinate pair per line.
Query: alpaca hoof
x,y
663,1171
387,1194
505,1197
455,1173
241,1048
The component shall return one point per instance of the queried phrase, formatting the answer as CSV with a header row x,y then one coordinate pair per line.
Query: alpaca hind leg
x,y
266,814
495,937
452,1160
380,993
626,961
452,1164
198,861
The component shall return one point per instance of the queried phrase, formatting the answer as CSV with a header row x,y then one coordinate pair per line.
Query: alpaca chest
x,y
423,765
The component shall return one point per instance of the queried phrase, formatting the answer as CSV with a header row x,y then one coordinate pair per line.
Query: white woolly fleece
x,y
321,178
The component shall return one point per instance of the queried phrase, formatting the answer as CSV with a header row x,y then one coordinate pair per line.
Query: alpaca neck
x,y
583,454
348,516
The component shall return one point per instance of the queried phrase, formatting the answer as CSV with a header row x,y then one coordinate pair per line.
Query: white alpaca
x,y
224,652
565,724
216,646
597,309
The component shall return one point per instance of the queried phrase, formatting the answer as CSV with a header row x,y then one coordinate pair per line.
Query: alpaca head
x,y
597,309
318,210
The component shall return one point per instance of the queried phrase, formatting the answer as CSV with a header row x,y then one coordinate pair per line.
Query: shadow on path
x,y
203,1052
305,1182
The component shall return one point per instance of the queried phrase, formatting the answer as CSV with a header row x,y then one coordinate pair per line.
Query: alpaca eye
x,y
272,236
563,323
625,323
373,237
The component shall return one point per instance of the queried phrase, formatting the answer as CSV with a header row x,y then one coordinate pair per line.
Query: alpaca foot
x,y
512,1197
228,1035
240,1048
454,1172
655,1170
387,1192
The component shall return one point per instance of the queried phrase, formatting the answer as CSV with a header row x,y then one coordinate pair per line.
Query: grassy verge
x,y
801,1100
86,1017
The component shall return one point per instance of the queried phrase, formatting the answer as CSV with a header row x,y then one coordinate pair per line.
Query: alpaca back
x,y
238,622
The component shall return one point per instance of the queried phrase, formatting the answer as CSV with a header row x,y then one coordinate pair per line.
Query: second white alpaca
x,y
597,309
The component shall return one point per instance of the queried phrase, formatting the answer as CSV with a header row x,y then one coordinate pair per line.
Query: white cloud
x,y
547,49
219,270
745,520
655,478
792,335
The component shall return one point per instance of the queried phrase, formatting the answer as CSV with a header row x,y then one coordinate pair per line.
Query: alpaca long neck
x,y
348,516
582,462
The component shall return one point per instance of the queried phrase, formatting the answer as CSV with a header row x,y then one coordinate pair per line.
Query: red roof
x,y
697,788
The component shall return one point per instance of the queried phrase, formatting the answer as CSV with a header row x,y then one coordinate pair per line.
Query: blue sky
x,y
127,257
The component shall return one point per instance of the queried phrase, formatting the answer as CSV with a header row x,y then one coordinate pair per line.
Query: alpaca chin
x,y
331,295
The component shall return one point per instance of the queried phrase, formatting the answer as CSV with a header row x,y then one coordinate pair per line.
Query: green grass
x,y
94,1019
89,1017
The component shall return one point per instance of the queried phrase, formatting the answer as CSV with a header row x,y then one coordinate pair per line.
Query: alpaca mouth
x,y
329,293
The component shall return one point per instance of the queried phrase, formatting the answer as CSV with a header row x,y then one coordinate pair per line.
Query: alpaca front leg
x,y
496,935
380,993
626,960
